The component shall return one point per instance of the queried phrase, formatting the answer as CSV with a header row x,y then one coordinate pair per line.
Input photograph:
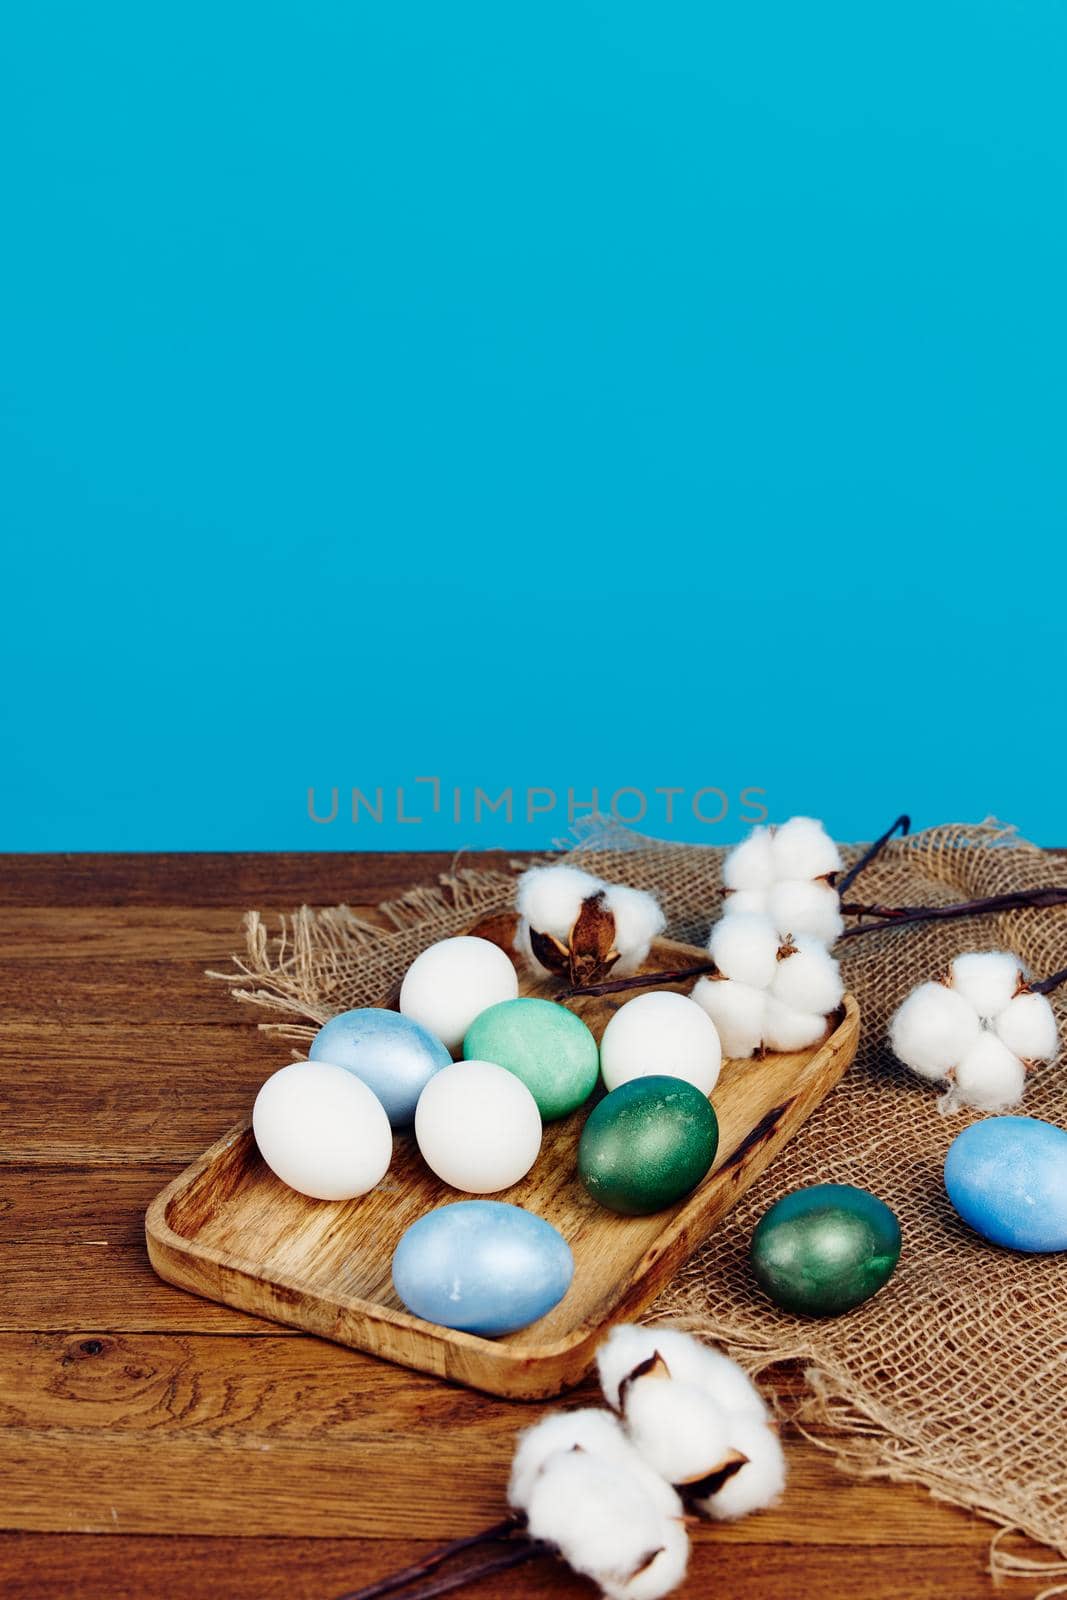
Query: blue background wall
x,y
567,394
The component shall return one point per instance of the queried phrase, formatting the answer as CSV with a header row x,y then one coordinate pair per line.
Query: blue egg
x,y
394,1056
483,1266
1007,1178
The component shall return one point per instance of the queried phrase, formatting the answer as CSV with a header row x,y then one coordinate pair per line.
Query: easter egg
x,y
477,1126
394,1056
542,1043
661,1034
322,1131
1007,1179
483,1266
447,986
647,1144
824,1249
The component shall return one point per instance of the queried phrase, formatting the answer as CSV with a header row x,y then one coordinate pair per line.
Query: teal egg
x,y
542,1043
647,1144
824,1249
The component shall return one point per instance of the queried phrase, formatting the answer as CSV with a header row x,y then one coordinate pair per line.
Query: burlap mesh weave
x,y
956,1375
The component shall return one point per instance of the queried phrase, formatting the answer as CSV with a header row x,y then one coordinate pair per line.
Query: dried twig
x,y
901,916
901,825
419,1569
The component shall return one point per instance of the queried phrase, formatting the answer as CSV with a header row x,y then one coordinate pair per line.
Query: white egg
x,y
322,1131
453,982
478,1126
661,1034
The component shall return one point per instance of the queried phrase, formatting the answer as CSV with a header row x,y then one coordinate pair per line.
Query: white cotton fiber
x,y
737,1011
745,948
550,898
987,979
1027,1025
989,1077
751,864
802,848
687,1358
596,1513
933,1029
796,906
595,1431
756,1484
785,1028
638,920
676,1427
746,902
661,1575
809,979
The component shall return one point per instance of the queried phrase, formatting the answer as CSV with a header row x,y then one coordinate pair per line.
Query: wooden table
x,y
153,1444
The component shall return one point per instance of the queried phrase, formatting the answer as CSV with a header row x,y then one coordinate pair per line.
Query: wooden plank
x,y
279,880
139,1568
276,1435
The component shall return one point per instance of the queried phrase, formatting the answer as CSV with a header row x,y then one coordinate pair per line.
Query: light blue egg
x,y
1007,1179
394,1056
483,1266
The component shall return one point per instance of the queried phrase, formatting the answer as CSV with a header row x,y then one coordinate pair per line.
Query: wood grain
x,y
75,1425
228,1229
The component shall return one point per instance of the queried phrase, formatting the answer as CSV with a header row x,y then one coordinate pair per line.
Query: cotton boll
x,y
745,948
746,902
597,1514
661,1575
802,848
987,979
785,1028
933,1030
550,898
796,906
687,1358
737,1011
751,864
638,920
809,980
595,1431
989,1077
756,1484
676,1427
1027,1025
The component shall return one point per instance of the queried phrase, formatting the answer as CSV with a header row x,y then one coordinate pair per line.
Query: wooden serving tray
x,y
228,1229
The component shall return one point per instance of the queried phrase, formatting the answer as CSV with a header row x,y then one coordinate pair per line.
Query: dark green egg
x,y
822,1250
647,1144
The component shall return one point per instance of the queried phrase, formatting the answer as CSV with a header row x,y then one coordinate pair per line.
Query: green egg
x,y
647,1144
824,1249
542,1043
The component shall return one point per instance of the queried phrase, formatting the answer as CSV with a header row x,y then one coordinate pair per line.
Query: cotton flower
x,y
987,979
631,1344
978,1031
1027,1025
933,1030
757,1483
989,1077
767,994
745,948
738,1012
783,873
575,925
802,848
602,1521
684,1404
598,1433
677,1427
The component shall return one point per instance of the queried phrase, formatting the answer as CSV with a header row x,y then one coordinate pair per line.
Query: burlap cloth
x,y
955,1376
